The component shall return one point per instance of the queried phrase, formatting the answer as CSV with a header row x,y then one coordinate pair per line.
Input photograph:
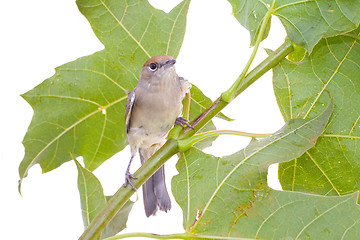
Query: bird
x,y
153,107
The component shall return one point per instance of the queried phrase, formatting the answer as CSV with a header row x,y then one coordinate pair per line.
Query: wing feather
x,y
129,105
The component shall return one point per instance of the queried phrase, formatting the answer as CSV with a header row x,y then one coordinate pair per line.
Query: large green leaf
x,y
228,197
333,165
305,21
92,200
91,194
80,110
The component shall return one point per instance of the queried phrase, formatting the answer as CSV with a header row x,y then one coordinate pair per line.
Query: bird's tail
x,y
154,189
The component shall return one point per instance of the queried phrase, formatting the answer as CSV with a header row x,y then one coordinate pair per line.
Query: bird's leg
x,y
183,121
128,175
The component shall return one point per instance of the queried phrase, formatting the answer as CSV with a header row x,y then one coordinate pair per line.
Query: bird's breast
x,y
154,114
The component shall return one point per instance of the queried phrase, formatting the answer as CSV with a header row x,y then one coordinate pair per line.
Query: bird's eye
x,y
153,66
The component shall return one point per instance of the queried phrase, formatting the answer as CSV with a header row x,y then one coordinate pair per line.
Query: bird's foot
x,y
128,177
183,121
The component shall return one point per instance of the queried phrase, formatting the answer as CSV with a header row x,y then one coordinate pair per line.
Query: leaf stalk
x,y
172,236
271,61
124,193
230,94
187,143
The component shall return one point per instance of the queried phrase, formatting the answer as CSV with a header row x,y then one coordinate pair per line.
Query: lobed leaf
x,y
80,110
305,21
92,200
228,197
332,167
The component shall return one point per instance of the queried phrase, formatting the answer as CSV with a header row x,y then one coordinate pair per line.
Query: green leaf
x,y
118,223
332,166
298,54
199,102
250,14
80,110
306,22
91,194
229,197
136,29
92,200
197,105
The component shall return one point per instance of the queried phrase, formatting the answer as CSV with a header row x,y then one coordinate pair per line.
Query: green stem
x,y
230,94
116,202
187,143
150,235
271,61
170,148
172,236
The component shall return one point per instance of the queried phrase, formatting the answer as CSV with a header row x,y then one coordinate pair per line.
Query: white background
x,y
39,35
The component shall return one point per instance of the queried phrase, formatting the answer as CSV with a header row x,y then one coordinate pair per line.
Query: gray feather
x,y
148,118
129,105
148,194
154,189
162,196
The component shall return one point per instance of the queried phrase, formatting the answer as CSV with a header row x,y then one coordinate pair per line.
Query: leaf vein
x,y
67,129
290,4
125,29
65,97
172,29
351,226
188,192
243,161
99,142
322,171
329,80
100,73
322,214
273,213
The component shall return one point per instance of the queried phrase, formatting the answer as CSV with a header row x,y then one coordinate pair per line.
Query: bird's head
x,y
159,68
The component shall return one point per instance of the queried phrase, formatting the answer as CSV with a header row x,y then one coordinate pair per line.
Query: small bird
x,y
152,109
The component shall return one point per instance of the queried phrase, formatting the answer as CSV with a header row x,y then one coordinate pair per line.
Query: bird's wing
x,y
129,105
185,85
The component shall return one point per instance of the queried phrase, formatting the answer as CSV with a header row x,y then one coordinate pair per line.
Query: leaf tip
x,y
78,165
19,186
224,117
268,51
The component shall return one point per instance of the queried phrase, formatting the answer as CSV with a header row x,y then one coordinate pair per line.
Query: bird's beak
x,y
169,63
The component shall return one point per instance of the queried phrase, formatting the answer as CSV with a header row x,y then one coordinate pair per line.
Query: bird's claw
x,y
183,121
128,177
